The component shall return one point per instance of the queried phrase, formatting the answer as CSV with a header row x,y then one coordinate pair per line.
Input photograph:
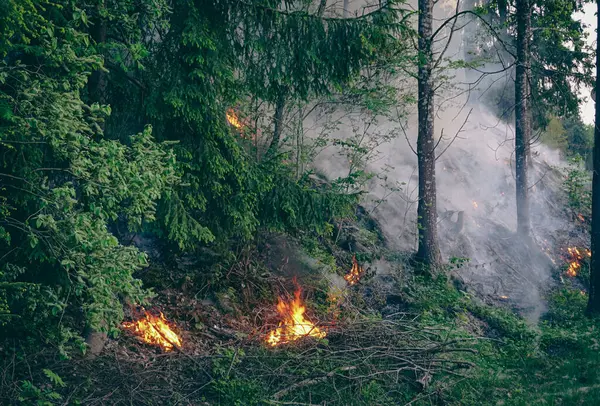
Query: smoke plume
x,y
475,182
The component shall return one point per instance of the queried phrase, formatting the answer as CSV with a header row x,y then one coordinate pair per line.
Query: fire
x,y
233,119
475,205
576,256
355,273
154,330
580,217
294,324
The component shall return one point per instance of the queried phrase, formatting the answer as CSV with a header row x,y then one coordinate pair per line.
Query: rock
x,y
95,341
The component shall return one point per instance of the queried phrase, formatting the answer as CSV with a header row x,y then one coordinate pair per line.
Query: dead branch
x,y
311,381
455,135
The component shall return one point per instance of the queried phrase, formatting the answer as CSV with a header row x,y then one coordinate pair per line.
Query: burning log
x,y
294,325
356,272
154,330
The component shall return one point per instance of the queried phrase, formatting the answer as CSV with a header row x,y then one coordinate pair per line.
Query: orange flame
x,y
294,325
155,331
475,205
580,217
233,119
355,273
576,256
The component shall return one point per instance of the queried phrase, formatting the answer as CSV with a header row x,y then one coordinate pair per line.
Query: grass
x,y
372,360
554,363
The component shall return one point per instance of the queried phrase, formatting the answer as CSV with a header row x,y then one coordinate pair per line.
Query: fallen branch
x,y
311,381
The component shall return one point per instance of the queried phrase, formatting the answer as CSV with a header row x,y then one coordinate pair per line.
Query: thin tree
x,y
428,252
593,307
522,114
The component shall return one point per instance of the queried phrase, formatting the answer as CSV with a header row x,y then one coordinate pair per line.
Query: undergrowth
x,y
439,345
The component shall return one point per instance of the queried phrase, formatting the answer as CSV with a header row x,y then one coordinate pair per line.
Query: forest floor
x,y
393,338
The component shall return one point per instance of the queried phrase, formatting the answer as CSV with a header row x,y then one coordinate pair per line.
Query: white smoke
x,y
475,175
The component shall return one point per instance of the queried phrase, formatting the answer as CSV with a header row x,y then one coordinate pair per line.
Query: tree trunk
x,y
98,80
428,252
300,143
277,124
593,307
345,9
321,9
522,115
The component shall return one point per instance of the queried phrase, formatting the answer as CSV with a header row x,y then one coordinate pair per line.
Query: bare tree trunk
x,y
522,115
593,307
277,124
322,6
428,252
345,10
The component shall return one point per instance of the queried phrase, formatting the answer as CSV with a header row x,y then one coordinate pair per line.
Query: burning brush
x,y
154,330
293,325
575,256
232,118
355,273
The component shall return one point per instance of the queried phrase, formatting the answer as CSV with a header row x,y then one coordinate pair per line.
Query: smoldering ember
x,y
299,203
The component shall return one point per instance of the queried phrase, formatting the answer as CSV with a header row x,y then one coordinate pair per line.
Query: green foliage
x,y
78,77
229,388
44,396
570,136
554,135
578,187
294,206
65,184
580,139
560,57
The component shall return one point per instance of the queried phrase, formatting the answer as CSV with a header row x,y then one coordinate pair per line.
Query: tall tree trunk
x,y
277,124
98,80
593,307
522,115
428,252
97,84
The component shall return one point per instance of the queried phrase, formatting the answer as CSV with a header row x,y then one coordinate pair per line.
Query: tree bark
x,y
593,307
277,124
522,115
428,252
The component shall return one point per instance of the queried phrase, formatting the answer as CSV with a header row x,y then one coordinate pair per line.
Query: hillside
x,y
215,202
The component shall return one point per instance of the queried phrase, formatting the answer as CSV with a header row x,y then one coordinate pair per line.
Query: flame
x,y
504,297
355,273
294,325
576,256
580,217
154,330
475,205
233,119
